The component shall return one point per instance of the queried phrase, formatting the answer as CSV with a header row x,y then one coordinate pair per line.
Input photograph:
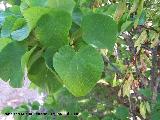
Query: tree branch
x,y
154,75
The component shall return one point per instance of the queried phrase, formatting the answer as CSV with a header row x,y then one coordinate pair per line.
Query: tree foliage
x,y
99,58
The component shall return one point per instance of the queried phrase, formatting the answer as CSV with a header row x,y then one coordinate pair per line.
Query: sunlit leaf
x,y
66,5
53,29
143,109
79,74
99,31
121,8
142,39
127,86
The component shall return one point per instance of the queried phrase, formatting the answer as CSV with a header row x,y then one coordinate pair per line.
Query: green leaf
x,y
139,12
122,112
48,56
19,23
25,106
154,39
148,107
158,98
43,77
35,105
20,34
33,3
80,70
141,40
7,109
77,16
4,42
14,2
126,25
66,5
33,14
35,117
121,9
50,101
147,92
143,109
23,6
10,62
20,110
127,86
26,57
109,117
15,11
53,28
99,31
11,11
65,101
7,26
134,6
37,54
84,115
2,18
110,9
155,116
92,118
142,18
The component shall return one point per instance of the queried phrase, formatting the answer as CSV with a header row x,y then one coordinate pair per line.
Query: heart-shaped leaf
x,y
53,28
11,53
33,14
66,5
99,30
80,70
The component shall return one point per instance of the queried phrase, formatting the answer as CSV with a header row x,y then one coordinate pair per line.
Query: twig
x,y
105,58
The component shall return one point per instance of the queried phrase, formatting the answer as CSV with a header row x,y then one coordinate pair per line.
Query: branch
x,y
150,28
154,75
